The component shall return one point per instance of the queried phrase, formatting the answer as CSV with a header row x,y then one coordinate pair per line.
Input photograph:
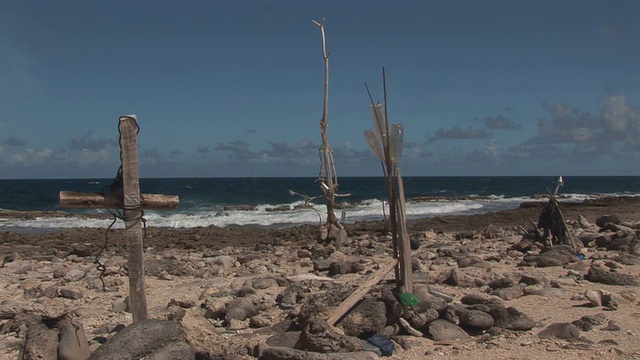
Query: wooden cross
x,y
132,203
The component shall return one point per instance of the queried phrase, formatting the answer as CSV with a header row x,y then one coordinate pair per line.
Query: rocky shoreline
x,y
484,289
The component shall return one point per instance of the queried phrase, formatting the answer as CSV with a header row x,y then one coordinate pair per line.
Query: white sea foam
x,y
368,210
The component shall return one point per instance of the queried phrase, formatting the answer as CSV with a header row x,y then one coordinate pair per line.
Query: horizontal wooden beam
x,y
74,199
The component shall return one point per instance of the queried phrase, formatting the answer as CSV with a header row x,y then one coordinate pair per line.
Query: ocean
x,y
206,201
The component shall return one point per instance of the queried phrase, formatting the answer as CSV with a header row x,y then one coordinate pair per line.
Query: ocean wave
x,y
262,215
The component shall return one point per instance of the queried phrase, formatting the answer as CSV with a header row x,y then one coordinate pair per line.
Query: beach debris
x,y
332,229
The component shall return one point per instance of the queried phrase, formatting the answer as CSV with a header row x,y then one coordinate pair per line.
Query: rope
x,y
117,187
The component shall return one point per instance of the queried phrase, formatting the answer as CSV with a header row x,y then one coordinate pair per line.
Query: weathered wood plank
x,y
360,292
133,216
406,273
74,199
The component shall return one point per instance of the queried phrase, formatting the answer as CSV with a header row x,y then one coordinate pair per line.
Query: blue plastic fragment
x,y
385,345
581,256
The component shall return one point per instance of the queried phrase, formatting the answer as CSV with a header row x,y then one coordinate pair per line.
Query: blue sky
x,y
234,88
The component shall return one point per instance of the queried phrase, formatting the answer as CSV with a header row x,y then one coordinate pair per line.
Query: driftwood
x,y
554,225
74,199
357,295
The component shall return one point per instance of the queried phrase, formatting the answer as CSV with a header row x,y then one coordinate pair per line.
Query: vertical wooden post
x,y
133,215
406,273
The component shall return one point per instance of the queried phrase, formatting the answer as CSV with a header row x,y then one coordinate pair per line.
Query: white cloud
x,y
618,116
31,156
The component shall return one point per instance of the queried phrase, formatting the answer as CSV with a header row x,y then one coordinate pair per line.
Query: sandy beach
x,y
193,277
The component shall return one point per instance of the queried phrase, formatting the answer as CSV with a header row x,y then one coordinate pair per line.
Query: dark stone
x,y
476,320
621,243
604,219
470,277
365,319
146,338
467,261
600,275
40,343
321,305
523,245
290,296
510,318
284,353
242,308
318,336
414,243
469,319
473,299
509,293
502,282
321,264
556,256
534,279
560,331
344,267
70,294
587,322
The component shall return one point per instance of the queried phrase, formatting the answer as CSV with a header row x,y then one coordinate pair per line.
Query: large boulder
x,y
442,330
153,339
366,319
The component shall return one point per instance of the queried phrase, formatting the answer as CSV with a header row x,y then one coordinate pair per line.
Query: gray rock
x,y
470,277
264,283
510,318
534,279
149,339
503,282
556,256
319,336
600,275
544,291
284,353
476,320
321,264
468,319
634,247
289,297
442,330
344,267
587,322
592,297
285,339
560,331
622,243
259,321
473,299
612,326
225,261
74,275
242,308
509,293
40,343
604,219
73,343
70,294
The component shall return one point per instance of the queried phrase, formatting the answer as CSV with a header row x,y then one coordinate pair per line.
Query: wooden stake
x,y
133,216
404,247
348,303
